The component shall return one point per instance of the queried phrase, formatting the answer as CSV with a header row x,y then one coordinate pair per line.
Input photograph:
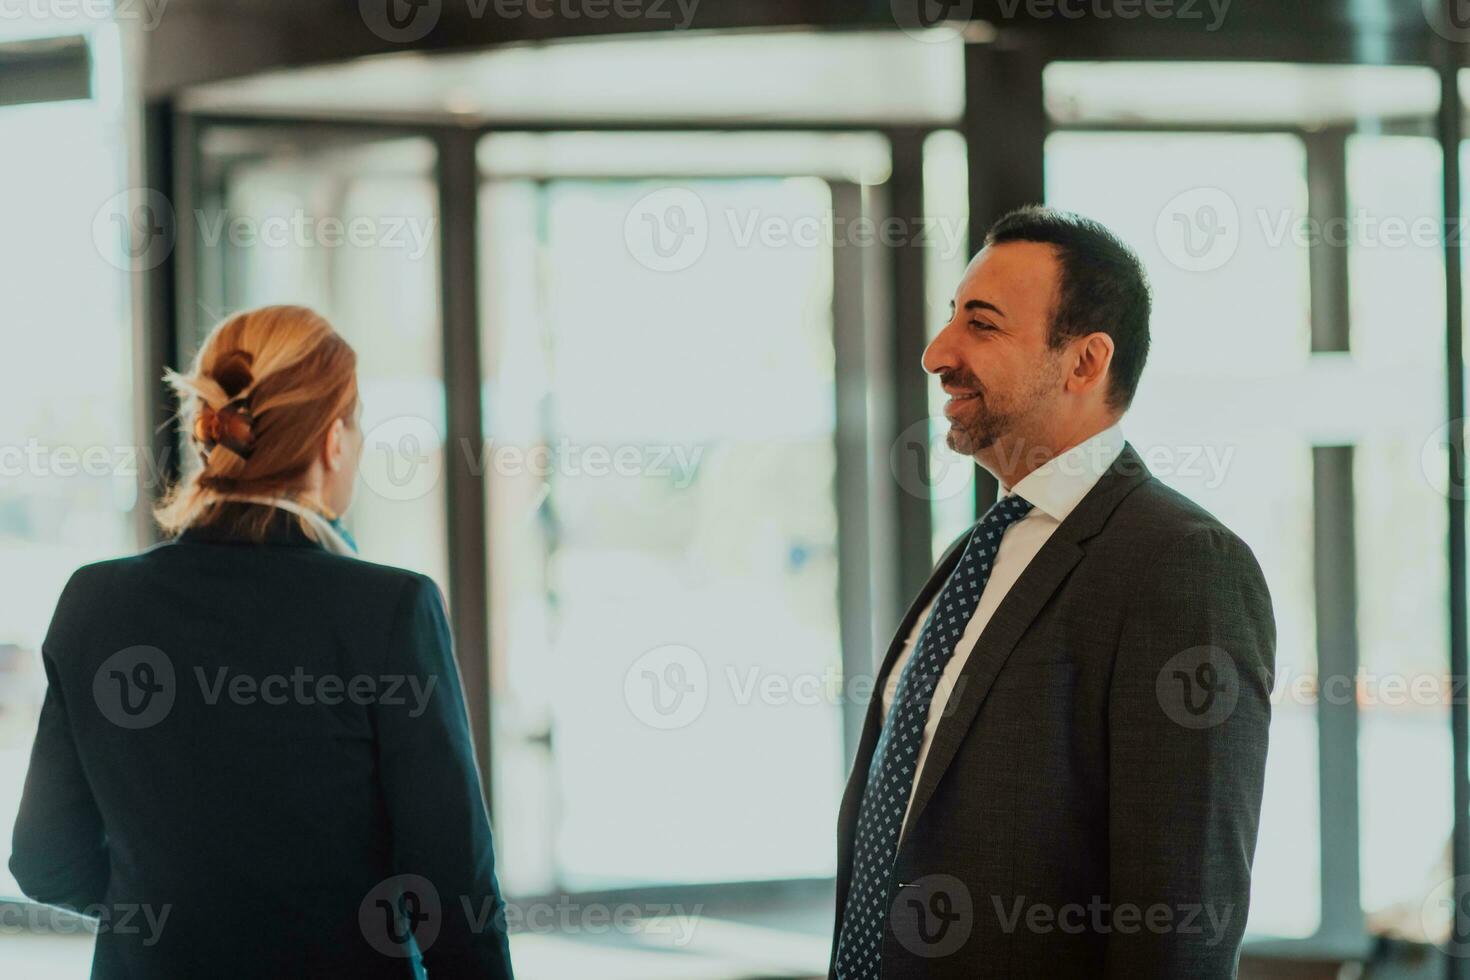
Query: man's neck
x,y
1011,459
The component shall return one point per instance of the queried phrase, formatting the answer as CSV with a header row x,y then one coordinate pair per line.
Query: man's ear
x,y
334,447
1092,355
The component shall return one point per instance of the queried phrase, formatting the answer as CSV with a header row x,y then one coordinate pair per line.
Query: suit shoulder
x,y
388,586
355,574
371,571
104,575
1161,520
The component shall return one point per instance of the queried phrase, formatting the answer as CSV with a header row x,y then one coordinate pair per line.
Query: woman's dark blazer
x,y
253,760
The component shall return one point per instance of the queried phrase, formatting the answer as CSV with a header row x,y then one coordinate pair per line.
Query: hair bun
x,y
232,371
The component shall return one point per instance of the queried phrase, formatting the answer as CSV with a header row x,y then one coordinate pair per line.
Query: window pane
x,y
635,604
352,232
947,203
1396,277
1214,413
68,465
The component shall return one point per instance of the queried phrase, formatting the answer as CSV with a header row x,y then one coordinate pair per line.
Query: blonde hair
x,y
291,376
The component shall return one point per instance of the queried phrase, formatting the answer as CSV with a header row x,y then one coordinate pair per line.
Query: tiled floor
x,y
36,956
718,951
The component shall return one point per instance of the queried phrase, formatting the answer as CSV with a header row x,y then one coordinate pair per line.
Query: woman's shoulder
x,y
300,567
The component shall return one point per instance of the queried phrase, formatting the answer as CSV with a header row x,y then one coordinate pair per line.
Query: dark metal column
x,y
854,545
1335,563
1327,209
910,384
157,337
459,187
1005,138
1334,557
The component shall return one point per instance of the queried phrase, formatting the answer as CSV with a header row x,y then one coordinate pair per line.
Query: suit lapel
x,y
1015,614
873,719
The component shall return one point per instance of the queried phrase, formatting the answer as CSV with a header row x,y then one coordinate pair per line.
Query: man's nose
x,y
939,355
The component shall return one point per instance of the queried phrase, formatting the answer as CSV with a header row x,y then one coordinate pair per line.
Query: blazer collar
x,y
1020,607
283,529
1025,600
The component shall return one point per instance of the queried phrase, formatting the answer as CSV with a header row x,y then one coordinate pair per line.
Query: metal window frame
x,y
45,69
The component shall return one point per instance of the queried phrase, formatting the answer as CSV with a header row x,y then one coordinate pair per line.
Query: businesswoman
x,y
253,758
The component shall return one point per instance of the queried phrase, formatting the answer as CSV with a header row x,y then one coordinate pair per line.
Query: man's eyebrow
x,y
980,304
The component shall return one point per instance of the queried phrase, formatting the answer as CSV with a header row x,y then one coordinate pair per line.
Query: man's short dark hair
x,y
1103,288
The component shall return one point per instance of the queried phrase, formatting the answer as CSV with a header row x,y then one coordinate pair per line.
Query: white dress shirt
x,y
1054,489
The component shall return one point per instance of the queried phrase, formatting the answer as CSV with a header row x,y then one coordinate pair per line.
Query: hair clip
x,y
231,426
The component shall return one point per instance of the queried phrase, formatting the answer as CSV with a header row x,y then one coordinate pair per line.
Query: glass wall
x,y
661,481
71,462
1251,239
663,319
70,465
1223,371
1397,320
947,206
348,227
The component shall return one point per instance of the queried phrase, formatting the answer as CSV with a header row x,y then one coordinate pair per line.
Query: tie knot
x,y
1007,510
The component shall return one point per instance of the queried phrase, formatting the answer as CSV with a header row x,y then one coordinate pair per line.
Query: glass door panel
x,y
348,227
1213,415
69,464
660,405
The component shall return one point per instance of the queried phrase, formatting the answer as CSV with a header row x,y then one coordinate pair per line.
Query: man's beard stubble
x,y
979,424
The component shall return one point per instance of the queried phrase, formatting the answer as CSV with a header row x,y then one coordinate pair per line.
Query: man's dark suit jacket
x,y
1091,796
263,825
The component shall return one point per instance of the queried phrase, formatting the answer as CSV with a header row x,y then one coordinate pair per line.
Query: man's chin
x,y
967,442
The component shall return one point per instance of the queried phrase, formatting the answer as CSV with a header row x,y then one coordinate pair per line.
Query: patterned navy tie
x,y
891,773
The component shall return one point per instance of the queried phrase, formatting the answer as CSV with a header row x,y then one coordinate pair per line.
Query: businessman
x,y
1061,772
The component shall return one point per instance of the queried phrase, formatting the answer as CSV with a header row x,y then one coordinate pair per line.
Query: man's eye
x,y
981,325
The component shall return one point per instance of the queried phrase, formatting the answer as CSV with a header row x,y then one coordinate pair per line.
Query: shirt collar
x,y
1057,486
